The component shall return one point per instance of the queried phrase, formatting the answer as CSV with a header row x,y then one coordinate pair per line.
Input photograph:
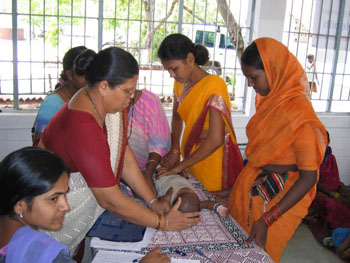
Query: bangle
x,y
272,215
216,207
151,202
159,218
152,161
175,151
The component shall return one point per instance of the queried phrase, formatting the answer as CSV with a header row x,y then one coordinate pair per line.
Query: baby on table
x,y
171,187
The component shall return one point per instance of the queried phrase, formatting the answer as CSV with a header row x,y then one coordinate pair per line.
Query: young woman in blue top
x,y
33,188
71,80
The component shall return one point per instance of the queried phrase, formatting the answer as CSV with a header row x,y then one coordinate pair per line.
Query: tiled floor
x,y
303,248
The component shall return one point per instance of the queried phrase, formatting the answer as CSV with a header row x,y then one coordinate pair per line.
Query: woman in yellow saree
x,y
284,137
201,101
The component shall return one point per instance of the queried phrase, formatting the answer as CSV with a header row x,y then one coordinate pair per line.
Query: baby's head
x,y
189,202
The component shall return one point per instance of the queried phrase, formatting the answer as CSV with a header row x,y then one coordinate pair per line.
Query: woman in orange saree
x,y
201,101
284,136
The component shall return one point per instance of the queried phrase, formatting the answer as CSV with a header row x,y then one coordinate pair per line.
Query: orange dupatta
x,y
286,108
278,120
220,169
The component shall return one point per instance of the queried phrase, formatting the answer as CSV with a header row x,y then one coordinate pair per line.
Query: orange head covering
x,y
284,109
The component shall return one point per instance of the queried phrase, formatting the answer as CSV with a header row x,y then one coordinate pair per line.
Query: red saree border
x,y
232,162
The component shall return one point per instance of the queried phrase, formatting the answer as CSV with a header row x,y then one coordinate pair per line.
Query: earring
x,y
20,216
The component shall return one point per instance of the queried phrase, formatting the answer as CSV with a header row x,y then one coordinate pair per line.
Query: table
x,y
219,239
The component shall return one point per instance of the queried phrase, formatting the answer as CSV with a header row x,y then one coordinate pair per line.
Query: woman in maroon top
x,y
89,133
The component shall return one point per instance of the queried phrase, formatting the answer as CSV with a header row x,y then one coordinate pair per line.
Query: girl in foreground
x,y
33,188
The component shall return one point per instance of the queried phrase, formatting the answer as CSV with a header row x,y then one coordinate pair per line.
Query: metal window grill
x,y
41,31
321,28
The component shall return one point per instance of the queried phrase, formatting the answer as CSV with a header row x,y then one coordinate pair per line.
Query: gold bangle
x,y
175,151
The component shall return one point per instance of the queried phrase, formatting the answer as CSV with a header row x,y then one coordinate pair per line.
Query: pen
x,y
137,259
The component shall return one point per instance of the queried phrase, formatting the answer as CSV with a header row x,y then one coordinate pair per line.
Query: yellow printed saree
x,y
219,170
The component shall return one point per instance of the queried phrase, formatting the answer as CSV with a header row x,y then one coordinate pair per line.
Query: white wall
x,y
15,126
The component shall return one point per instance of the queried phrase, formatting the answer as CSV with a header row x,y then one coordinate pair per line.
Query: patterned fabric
x,y
219,238
284,130
268,185
48,108
148,128
220,169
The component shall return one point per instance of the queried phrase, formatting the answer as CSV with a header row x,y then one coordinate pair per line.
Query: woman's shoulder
x,y
148,95
52,99
27,242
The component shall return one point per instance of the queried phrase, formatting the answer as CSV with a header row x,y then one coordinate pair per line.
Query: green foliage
x,y
119,17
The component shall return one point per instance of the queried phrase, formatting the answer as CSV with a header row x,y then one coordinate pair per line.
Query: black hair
x,y
251,57
68,60
328,138
189,202
113,64
177,46
27,173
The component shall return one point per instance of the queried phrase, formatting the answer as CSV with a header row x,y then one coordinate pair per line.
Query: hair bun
x,y
84,61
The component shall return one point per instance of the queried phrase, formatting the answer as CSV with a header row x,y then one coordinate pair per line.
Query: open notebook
x,y
111,227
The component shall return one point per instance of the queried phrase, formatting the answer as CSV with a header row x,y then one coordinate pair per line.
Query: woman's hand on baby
x,y
161,206
178,220
170,159
155,257
163,171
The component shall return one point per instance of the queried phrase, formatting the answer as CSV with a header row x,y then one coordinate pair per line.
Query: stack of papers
x,y
104,256
132,246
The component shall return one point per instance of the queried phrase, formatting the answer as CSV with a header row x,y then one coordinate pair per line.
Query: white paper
x,y
105,256
133,246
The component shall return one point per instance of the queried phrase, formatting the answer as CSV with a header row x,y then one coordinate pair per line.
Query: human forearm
x,y
176,130
302,186
134,178
206,148
113,200
152,163
213,139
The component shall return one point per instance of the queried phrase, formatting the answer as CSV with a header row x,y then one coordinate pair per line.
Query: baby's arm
x,y
217,207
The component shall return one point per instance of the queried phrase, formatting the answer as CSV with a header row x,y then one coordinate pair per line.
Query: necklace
x,y
95,109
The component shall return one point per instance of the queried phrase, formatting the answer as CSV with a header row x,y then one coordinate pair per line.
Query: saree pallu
x,y
284,131
220,169
84,209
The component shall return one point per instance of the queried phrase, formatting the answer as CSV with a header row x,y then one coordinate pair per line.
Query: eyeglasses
x,y
128,91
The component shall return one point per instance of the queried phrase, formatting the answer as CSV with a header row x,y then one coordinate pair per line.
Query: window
x,y
311,30
225,42
46,29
